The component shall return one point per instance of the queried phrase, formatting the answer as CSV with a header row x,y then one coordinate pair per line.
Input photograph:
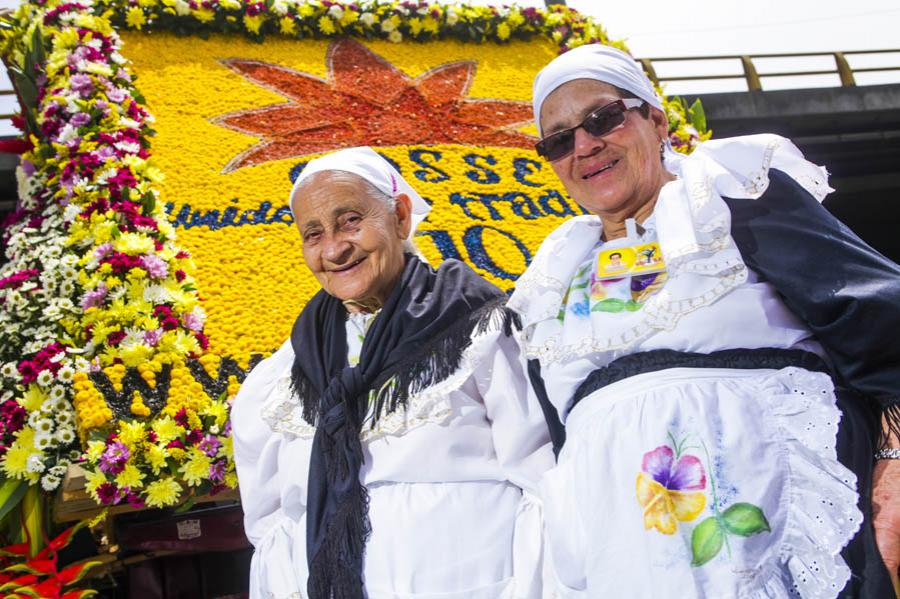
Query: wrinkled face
x,y
611,175
352,241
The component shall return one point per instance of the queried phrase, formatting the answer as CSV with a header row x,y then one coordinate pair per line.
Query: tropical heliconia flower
x,y
670,491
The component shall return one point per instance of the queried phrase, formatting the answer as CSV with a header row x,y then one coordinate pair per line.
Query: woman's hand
x,y
886,515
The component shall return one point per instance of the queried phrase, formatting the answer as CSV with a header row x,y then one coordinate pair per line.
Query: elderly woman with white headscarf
x,y
390,447
720,351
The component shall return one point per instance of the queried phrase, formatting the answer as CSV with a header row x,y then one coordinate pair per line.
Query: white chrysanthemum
x,y
45,378
64,417
60,468
452,18
35,463
65,374
34,418
50,482
67,288
9,370
388,25
44,425
155,294
65,435
395,37
71,213
57,392
335,12
367,18
43,440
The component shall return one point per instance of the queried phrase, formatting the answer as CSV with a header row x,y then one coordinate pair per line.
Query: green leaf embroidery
x,y
745,519
706,541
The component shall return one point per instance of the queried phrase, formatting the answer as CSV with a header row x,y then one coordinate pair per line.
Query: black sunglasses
x,y
598,123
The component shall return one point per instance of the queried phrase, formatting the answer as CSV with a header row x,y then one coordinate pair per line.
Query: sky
x,y
656,29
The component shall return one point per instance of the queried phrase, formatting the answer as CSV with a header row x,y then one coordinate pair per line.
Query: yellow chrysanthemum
x,y
196,469
130,477
95,450
156,456
132,433
33,398
92,480
162,493
16,459
134,17
166,430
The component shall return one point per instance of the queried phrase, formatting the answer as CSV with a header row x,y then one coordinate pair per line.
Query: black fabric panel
x,y
858,430
555,426
847,293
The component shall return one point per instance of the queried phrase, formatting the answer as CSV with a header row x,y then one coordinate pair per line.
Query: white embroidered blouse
x,y
451,481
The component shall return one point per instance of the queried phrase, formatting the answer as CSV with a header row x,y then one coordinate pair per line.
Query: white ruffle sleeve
x,y
272,469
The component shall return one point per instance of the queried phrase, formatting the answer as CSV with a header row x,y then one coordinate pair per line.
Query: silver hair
x,y
389,202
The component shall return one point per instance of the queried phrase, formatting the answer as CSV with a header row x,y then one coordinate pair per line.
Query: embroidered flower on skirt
x,y
670,491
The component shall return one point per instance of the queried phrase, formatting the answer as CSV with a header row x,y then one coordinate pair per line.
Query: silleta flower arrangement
x,y
121,347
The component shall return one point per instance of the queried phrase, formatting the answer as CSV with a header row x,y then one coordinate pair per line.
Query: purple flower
x,y
80,118
108,494
155,266
686,474
95,297
115,94
210,445
113,459
193,321
153,337
101,250
81,84
217,471
28,167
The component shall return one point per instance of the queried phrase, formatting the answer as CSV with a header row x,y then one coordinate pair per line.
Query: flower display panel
x,y
235,120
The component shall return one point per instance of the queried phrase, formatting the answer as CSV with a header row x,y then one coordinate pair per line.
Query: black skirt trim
x,y
663,359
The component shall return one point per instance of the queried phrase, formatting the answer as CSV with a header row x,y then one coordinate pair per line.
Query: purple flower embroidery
x,y
670,493
686,474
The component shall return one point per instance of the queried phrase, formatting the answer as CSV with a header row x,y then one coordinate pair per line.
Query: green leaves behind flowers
x,y
741,519
697,116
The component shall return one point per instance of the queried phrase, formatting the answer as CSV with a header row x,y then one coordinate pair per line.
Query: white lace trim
x,y
694,229
284,412
821,496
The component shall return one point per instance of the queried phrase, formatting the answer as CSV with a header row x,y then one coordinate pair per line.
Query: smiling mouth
x,y
348,267
602,169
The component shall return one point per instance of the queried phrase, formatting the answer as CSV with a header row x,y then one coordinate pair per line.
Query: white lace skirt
x,y
711,483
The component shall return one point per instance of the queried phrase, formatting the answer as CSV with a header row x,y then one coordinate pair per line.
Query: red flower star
x,y
368,101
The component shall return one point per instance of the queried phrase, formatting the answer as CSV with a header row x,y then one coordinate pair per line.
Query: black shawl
x,y
417,339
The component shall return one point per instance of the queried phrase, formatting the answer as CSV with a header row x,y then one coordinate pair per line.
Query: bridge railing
x,y
753,77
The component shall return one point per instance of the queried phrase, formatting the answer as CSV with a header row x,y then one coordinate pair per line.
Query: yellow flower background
x,y
252,278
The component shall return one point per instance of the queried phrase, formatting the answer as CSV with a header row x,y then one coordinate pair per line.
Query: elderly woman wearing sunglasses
x,y
722,353
387,449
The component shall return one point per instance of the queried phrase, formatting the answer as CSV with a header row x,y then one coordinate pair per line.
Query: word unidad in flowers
x,y
530,200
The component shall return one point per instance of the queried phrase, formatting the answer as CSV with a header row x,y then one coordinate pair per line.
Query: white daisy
x,y
35,463
49,482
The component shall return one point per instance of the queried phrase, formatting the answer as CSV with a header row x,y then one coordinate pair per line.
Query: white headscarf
x,y
597,62
364,162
